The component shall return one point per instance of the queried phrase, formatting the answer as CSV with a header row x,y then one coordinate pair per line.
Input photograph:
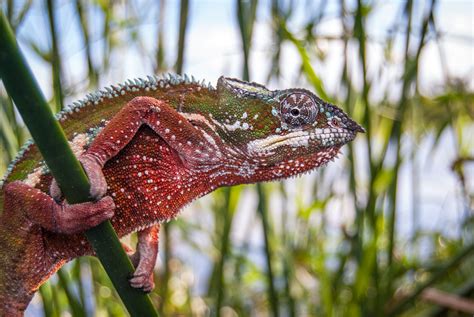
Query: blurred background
x,y
386,230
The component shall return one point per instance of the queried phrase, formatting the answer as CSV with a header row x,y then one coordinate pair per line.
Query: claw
x,y
96,178
143,281
55,191
75,218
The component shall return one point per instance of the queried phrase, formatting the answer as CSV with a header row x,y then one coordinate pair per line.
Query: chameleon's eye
x,y
298,109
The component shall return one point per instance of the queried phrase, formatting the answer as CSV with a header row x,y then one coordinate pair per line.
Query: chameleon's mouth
x,y
332,136
314,137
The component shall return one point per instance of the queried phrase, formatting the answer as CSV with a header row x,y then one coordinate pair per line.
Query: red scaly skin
x,y
147,163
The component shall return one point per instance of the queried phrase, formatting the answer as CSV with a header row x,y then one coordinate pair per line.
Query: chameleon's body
x,y
160,143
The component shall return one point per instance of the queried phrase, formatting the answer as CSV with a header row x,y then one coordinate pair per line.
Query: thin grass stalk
x,y
263,211
52,143
9,11
445,268
95,284
12,119
288,263
276,15
227,213
288,275
108,10
77,309
8,139
246,14
55,57
15,21
464,290
55,298
240,259
167,269
308,69
46,298
183,23
76,273
160,48
84,29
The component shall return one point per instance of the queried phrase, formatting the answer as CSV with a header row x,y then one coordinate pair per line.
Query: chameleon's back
x,y
88,117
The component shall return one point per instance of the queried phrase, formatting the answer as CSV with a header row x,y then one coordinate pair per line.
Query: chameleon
x,y
149,147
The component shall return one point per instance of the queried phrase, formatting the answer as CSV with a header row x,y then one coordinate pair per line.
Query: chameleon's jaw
x,y
332,136
309,139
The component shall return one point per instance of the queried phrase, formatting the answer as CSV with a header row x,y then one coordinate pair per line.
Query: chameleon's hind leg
x,y
144,258
43,210
27,258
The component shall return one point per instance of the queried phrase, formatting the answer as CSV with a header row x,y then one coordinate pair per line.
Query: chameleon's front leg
x,y
144,258
171,126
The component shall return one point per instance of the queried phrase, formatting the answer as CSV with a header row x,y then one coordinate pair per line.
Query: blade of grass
x,y
309,71
160,47
231,199
262,210
64,281
51,141
47,300
167,269
445,268
55,56
246,14
183,23
76,275
84,28
288,261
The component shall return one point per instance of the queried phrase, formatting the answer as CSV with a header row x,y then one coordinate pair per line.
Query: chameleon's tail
x,y
12,308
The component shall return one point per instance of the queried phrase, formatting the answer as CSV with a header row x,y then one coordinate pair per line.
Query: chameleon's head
x,y
283,132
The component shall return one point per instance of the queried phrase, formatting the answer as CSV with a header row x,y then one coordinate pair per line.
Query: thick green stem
x,y
52,143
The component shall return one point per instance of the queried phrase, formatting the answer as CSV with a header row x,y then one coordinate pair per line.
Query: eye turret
x,y
298,109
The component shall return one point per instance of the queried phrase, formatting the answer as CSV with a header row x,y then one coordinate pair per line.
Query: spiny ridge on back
x,y
113,91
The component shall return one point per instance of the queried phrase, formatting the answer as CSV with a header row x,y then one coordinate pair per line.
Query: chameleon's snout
x,y
351,125
357,128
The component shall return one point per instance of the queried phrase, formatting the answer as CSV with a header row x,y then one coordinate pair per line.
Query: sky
x,y
218,51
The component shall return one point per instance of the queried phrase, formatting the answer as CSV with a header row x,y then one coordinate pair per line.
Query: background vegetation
x,y
348,240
